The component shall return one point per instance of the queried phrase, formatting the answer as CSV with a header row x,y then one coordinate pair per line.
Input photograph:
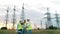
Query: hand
x,y
22,23
26,27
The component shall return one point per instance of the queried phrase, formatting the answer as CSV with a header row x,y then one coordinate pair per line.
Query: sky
x,y
34,9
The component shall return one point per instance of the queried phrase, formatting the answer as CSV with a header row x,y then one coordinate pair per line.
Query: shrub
x,y
3,28
52,27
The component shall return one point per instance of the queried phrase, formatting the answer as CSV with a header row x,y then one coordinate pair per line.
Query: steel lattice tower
x,y
57,19
22,13
14,17
48,19
7,16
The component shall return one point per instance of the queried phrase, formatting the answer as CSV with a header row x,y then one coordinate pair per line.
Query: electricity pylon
x,y
14,17
22,13
57,18
41,24
48,18
7,16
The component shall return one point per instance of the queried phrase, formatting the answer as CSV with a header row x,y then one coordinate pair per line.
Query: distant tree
x,y
38,28
52,27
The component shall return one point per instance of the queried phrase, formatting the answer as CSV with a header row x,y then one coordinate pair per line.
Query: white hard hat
x,y
20,20
28,18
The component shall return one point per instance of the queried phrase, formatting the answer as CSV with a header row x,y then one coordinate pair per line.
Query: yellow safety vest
x,y
29,27
19,26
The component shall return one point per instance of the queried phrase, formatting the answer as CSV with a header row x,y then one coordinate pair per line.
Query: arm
x,y
17,28
28,24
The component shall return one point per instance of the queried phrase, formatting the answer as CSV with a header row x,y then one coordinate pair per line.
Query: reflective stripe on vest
x,y
19,26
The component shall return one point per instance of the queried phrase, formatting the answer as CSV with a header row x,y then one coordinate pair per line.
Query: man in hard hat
x,y
20,28
24,27
29,26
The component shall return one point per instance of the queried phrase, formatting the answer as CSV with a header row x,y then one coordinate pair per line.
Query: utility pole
x,y
14,17
48,18
7,16
22,13
57,19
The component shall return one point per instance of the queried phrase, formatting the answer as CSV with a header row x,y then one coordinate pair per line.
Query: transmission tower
x,y
41,24
7,16
57,19
14,17
35,26
48,18
22,13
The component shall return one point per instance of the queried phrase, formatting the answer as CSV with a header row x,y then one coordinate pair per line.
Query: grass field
x,y
34,32
46,32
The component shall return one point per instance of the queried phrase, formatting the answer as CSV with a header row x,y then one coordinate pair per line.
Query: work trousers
x,y
24,31
20,31
29,31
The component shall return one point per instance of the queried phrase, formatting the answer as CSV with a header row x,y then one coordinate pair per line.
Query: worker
x,y
29,26
24,27
20,28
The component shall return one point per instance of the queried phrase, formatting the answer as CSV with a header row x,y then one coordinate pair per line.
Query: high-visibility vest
x,y
19,26
30,26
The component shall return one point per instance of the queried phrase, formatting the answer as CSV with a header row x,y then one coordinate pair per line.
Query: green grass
x,y
8,32
46,32
34,32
